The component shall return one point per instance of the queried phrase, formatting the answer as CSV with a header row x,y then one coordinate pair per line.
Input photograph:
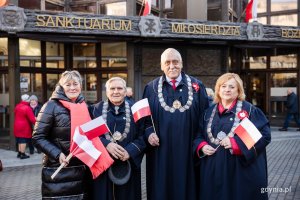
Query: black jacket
x,y
51,135
292,103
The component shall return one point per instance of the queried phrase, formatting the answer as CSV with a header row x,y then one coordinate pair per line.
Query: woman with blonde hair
x,y
52,135
230,170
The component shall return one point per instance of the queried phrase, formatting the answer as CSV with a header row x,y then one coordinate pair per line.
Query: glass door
x,y
256,90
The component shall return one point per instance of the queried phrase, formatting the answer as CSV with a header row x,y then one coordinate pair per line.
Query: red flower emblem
x,y
196,86
242,114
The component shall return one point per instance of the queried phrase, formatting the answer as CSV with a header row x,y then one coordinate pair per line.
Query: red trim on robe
x,y
202,144
221,108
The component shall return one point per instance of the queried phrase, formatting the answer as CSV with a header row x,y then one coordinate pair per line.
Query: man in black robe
x,y
124,143
177,103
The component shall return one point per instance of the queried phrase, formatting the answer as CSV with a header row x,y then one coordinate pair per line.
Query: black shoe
x,y
282,129
19,155
32,152
24,156
298,129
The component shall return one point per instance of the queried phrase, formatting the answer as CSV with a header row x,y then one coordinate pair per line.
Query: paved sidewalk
x,y
20,179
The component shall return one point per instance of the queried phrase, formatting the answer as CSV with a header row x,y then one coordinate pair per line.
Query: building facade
x,y
102,39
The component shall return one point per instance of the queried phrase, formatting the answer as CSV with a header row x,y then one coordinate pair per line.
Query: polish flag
x,y
248,133
251,11
147,8
140,109
86,150
95,128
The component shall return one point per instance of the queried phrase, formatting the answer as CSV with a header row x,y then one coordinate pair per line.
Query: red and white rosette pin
x,y
195,86
242,114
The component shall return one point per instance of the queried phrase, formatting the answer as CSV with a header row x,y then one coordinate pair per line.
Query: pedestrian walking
x,y
292,110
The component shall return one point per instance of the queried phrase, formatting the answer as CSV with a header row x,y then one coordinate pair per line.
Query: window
x,y
52,80
261,6
3,52
31,84
259,62
118,9
282,5
262,20
84,55
30,53
284,20
89,87
284,61
114,54
54,55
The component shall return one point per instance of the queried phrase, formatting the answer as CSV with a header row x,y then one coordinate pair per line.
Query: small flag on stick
x,y
95,128
248,133
140,109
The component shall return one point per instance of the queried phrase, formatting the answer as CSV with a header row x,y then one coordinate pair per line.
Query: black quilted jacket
x,y
51,135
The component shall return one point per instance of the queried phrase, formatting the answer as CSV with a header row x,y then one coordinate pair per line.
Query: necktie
x,y
173,84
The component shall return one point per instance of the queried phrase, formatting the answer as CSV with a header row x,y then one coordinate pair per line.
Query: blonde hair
x,y
70,75
107,84
226,77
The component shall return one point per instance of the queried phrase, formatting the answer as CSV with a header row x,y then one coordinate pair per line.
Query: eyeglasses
x,y
174,62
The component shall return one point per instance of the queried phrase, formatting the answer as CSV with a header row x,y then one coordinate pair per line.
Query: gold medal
x,y
176,104
117,136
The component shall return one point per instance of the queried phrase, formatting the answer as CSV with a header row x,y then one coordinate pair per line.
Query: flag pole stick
x,y
63,164
153,124
143,2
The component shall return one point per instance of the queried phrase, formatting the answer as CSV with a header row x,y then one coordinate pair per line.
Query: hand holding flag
x,y
248,133
85,145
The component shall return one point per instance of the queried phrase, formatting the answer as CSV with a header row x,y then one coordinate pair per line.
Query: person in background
x,y
177,102
210,95
24,121
228,169
129,95
52,135
36,107
125,144
292,110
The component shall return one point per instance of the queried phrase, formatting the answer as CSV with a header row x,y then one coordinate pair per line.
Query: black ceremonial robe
x,y
170,166
233,177
134,144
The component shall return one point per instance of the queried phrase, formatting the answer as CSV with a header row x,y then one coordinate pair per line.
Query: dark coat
x,y
292,103
134,144
170,166
232,177
51,135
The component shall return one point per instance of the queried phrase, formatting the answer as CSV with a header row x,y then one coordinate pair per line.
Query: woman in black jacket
x,y
52,135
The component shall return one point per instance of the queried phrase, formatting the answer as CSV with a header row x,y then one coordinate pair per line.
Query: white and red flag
x,y
248,133
95,128
90,151
86,151
251,11
147,8
140,109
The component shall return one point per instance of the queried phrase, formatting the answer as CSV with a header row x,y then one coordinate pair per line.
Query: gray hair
x,y
25,97
107,84
170,51
70,75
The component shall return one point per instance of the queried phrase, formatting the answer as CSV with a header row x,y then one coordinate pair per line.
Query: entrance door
x,y
256,91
